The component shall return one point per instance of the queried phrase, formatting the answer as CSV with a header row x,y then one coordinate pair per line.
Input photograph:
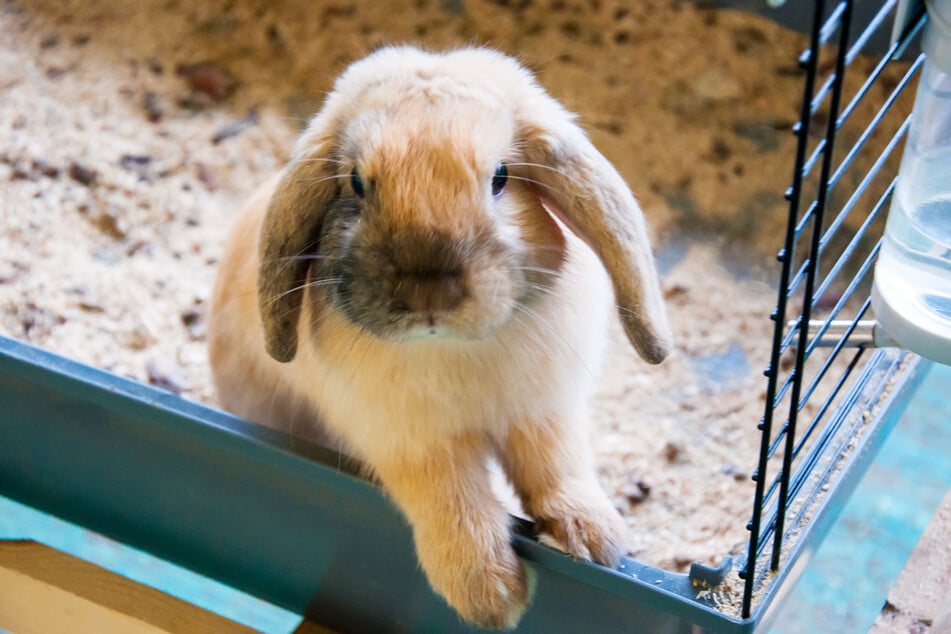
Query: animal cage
x,y
295,524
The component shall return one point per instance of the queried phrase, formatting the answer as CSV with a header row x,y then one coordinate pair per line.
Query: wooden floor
x,y
920,600
45,591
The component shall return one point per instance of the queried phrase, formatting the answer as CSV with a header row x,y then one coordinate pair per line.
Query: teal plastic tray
x,y
291,523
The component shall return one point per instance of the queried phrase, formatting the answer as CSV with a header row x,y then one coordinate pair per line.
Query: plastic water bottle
x,y
911,295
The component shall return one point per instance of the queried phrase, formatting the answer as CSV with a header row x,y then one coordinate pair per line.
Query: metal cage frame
x,y
809,234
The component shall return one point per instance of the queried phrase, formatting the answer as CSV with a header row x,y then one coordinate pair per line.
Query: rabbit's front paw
x,y
484,580
592,531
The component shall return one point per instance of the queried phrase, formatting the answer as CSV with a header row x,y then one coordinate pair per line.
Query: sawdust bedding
x,y
131,132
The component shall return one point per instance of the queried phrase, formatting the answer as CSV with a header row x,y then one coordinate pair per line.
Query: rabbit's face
x,y
432,234
420,195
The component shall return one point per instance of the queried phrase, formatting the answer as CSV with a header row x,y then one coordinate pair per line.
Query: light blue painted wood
x,y
846,583
18,521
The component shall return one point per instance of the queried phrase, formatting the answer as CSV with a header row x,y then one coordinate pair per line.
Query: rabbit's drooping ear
x,y
290,230
584,190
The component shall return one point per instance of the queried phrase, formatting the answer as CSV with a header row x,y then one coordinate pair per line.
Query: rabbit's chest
x,y
409,399
462,393
372,393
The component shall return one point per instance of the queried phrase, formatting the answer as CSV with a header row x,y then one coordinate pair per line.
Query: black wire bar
x,y
826,30
811,271
818,449
822,442
821,448
813,260
846,254
850,56
863,138
838,347
843,341
748,573
860,190
781,499
844,212
807,469
828,434
833,227
896,47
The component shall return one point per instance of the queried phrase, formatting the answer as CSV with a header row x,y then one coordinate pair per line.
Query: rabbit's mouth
x,y
429,332
419,285
395,323
462,306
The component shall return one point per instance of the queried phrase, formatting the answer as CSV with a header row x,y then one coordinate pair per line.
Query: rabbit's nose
x,y
429,292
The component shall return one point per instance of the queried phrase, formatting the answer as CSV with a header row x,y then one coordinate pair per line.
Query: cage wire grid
x,y
837,207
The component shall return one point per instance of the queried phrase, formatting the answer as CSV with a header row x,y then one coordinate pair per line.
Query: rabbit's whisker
x,y
537,269
320,159
543,289
295,258
290,259
628,311
567,177
317,181
547,247
530,180
541,322
310,284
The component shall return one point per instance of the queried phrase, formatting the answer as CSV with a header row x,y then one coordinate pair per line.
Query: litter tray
x,y
292,524
295,525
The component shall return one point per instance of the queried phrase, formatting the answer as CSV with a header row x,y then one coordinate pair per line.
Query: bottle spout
x,y
866,333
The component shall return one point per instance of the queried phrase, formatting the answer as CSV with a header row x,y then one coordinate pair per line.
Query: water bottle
x,y
911,294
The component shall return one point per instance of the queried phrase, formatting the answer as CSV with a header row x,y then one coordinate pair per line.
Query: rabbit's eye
x,y
356,183
498,181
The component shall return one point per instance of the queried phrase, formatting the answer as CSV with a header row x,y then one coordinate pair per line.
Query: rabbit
x,y
427,285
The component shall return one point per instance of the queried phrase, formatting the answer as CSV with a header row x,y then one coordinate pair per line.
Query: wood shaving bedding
x,y
132,132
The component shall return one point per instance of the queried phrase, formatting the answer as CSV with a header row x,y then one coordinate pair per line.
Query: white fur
x,y
427,415
387,399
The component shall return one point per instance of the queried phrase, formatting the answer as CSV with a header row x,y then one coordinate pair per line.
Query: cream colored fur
x,y
427,415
